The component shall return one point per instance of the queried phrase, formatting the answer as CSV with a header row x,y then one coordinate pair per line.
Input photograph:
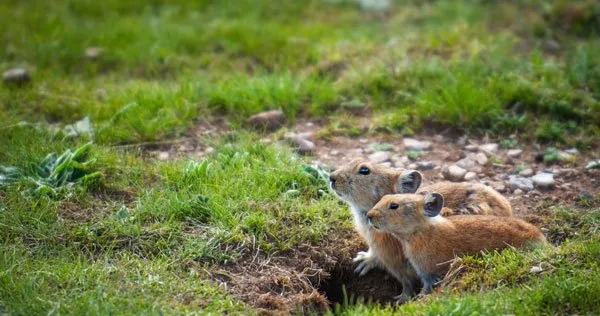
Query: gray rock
x,y
543,180
417,145
380,156
536,269
163,155
425,165
405,160
470,176
269,121
526,172
93,53
518,192
521,183
412,166
334,152
514,153
454,173
466,163
572,151
490,147
471,147
498,186
16,76
301,145
481,159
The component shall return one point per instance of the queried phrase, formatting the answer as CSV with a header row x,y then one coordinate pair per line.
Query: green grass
x,y
145,236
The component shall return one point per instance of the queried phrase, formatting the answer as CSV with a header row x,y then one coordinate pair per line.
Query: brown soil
x,y
315,278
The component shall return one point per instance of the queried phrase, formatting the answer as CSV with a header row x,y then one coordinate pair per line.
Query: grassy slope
x,y
136,236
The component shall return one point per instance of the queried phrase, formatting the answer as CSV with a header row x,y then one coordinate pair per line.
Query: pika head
x,y
363,184
404,214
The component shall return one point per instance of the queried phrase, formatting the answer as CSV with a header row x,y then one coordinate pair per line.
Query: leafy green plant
x,y
55,174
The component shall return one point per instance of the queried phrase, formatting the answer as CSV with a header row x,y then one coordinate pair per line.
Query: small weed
x,y
508,143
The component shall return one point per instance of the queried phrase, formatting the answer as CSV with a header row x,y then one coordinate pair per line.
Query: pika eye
x,y
364,171
394,206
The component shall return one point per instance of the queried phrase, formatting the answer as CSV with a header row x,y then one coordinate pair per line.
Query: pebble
x,y
454,173
466,163
163,155
386,164
498,186
425,165
572,151
471,147
93,53
302,145
490,147
526,172
412,166
536,269
518,192
363,140
543,180
334,152
470,176
417,145
517,182
209,150
269,121
380,156
481,159
514,153
16,76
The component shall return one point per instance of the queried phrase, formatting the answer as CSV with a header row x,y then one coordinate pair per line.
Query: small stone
x,y
543,180
526,172
93,53
425,165
380,156
363,140
481,159
412,166
518,192
386,164
334,152
471,148
416,145
536,269
470,176
594,164
517,182
302,146
16,76
454,173
572,151
306,135
209,150
466,163
491,147
269,121
499,186
163,155
514,153
405,160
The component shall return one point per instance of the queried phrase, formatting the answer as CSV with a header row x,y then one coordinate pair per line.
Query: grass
x,y
146,236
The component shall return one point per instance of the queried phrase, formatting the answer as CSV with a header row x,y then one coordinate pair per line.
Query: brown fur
x,y
465,198
430,244
362,192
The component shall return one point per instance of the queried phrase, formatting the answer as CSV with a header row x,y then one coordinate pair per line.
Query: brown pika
x,y
431,242
362,184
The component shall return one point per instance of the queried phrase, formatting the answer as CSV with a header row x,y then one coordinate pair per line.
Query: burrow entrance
x,y
344,287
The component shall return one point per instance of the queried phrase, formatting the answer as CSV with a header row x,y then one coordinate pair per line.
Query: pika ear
x,y
434,202
409,182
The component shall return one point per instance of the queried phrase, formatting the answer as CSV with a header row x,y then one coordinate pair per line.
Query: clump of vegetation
x,y
55,175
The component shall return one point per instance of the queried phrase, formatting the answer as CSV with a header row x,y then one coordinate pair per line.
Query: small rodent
x,y
431,242
362,184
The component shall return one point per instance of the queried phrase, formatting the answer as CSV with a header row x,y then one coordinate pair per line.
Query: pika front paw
x,y
366,262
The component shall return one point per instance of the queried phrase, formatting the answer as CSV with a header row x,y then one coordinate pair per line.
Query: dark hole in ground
x,y
344,287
